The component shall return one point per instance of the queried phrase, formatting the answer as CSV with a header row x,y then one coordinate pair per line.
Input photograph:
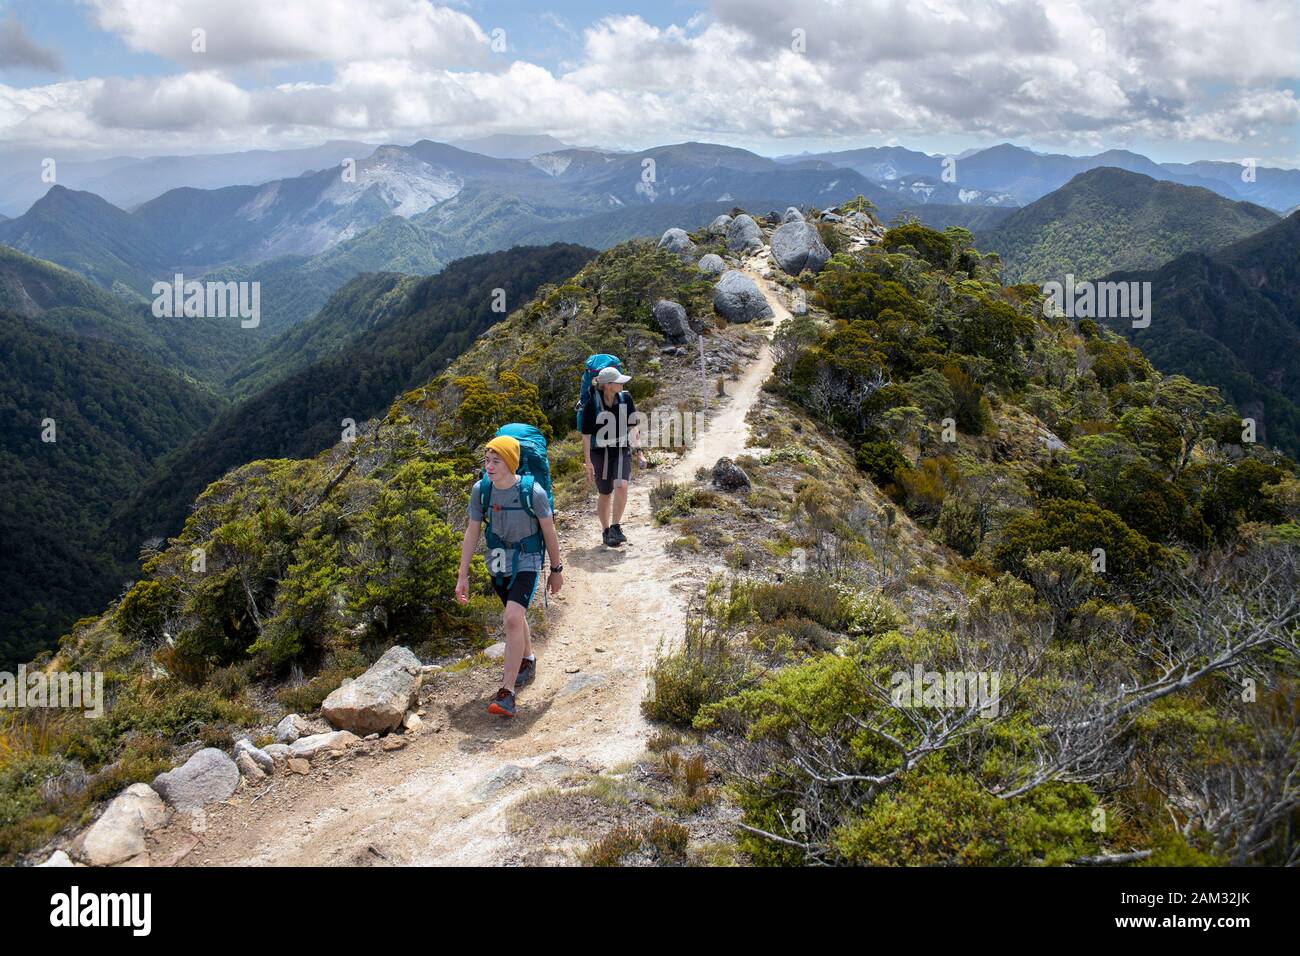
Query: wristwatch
x,y
557,569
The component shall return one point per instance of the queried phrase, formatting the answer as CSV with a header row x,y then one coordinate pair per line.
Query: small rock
x,y
308,747
57,858
412,723
298,765
370,737
393,743
248,767
729,476
259,756
497,651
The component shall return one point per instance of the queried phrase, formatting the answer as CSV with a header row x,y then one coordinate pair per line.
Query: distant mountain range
x,y
1107,219
302,237
128,181
1024,176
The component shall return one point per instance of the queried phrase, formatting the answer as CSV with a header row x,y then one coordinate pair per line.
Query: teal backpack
x,y
594,364
534,468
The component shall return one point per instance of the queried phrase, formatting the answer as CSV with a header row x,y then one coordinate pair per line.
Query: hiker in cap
x,y
518,533
610,439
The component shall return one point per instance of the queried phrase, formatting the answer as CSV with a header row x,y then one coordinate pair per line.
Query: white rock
x,y
119,833
376,701
57,858
308,747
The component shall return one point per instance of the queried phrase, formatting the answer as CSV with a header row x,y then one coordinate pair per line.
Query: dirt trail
x,y
445,797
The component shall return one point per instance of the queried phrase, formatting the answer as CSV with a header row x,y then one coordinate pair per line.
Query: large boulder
x,y
743,234
376,701
792,214
729,476
208,777
118,834
797,246
737,299
712,265
671,317
677,240
720,225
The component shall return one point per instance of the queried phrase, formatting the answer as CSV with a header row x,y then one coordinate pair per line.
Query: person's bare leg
x,y
516,642
620,501
602,510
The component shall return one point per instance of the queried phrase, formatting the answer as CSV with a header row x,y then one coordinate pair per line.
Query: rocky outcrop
x,y
737,299
792,214
712,264
671,317
376,701
677,240
720,225
729,476
118,834
208,777
797,246
743,234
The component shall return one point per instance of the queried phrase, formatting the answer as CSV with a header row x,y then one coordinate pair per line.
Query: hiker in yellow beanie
x,y
516,537
508,449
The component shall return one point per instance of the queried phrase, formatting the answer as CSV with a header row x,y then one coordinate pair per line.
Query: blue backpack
x,y
534,468
594,364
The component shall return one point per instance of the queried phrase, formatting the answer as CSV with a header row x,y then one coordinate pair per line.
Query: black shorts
x,y
520,591
610,465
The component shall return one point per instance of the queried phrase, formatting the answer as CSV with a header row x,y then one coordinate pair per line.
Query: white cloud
x,y
291,31
1059,72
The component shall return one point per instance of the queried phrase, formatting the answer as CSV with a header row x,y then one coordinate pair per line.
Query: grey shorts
x,y
611,465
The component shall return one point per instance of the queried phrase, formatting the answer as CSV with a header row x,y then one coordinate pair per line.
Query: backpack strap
x,y
526,495
485,499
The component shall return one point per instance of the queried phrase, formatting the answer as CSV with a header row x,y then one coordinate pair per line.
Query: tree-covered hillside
x,y
1109,219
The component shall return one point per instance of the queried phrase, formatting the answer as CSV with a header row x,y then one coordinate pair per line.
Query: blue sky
x,y
1176,81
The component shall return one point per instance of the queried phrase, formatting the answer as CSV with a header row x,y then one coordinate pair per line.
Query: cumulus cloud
x,y
18,50
1060,72
241,32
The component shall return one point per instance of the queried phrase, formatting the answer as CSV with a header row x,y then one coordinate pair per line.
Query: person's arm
x,y
554,580
586,457
466,555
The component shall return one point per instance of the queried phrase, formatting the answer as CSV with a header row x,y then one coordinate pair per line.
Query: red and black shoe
x,y
503,703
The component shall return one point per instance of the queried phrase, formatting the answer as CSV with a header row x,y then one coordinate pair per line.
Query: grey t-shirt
x,y
512,526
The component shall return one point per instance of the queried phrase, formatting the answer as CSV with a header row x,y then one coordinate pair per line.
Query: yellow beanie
x,y
507,448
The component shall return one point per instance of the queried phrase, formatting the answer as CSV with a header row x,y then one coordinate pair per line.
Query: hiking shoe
x,y
616,534
503,703
607,537
527,671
